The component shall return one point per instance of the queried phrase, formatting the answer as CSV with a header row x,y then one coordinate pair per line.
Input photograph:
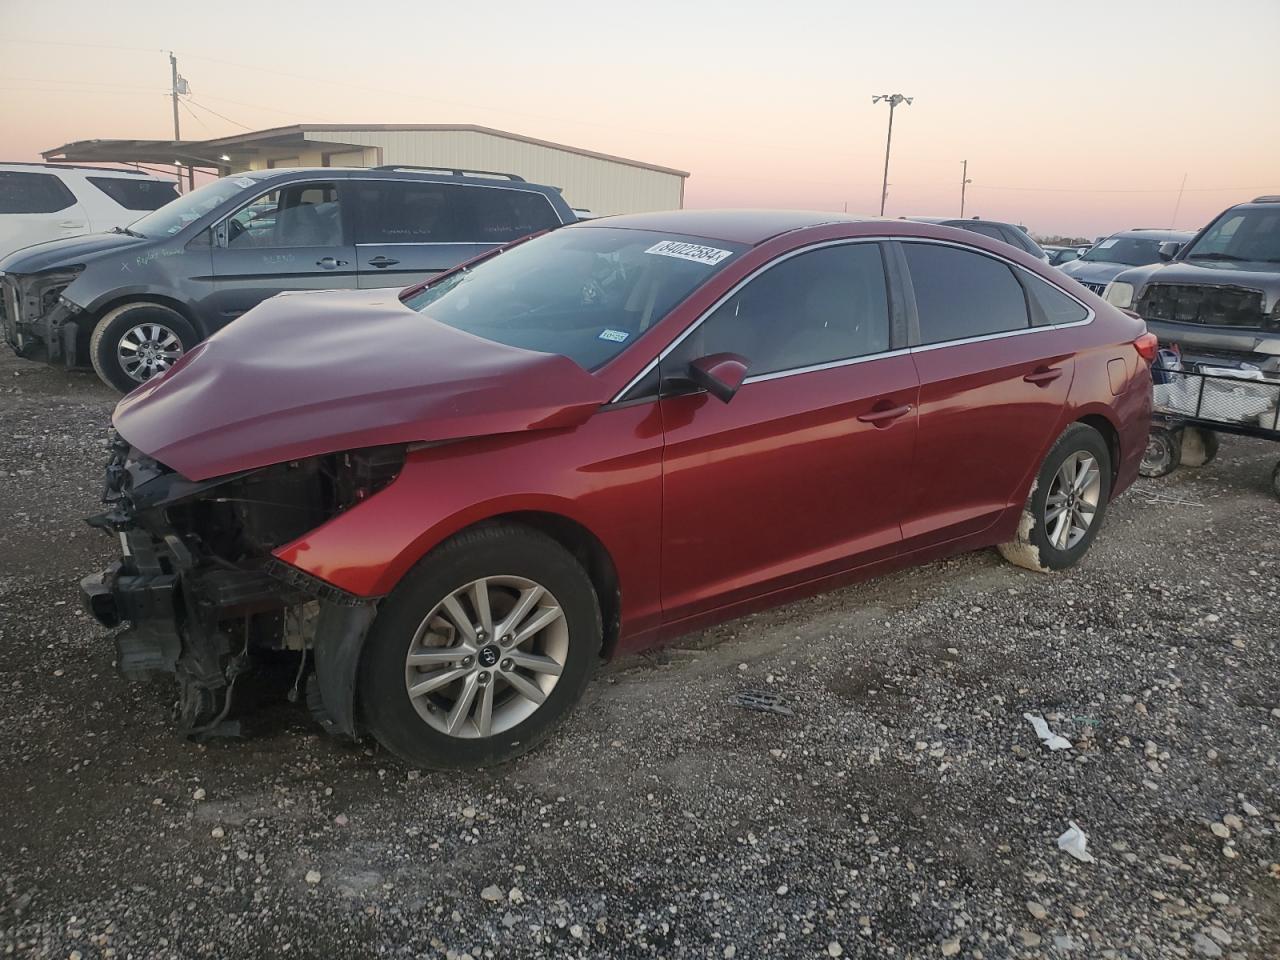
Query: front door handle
x,y
381,262
330,263
884,417
1043,376
71,224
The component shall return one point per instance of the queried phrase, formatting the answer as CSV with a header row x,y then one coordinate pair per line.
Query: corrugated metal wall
x,y
602,186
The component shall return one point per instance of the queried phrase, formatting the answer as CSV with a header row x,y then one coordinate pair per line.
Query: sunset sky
x,y
1078,117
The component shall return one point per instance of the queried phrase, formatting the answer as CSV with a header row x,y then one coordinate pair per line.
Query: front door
x,y
293,238
994,374
801,474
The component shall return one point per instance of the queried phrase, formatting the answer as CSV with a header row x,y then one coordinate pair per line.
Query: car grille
x,y
1207,306
1097,288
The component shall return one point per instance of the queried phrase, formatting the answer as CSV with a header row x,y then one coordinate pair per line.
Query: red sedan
x,y
443,508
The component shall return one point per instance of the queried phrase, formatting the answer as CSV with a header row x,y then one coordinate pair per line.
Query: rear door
x,y
409,230
802,473
295,237
35,207
993,385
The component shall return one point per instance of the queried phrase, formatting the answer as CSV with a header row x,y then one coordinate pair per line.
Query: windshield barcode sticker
x,y
617,336
690,251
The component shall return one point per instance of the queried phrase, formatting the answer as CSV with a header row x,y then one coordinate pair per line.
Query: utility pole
x,y
964,182
894,99
179,85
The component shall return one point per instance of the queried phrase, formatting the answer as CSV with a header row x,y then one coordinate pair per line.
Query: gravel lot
x,y
905,809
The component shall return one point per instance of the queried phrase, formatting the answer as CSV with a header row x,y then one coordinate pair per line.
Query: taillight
x,y
1147,345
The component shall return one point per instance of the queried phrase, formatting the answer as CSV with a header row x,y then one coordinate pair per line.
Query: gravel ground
x,y
905,809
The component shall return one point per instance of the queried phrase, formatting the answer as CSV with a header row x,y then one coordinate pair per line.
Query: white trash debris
x,y
1047,736
1075,842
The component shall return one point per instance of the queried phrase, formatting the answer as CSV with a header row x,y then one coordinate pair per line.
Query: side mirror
x,y
720,374
1169,249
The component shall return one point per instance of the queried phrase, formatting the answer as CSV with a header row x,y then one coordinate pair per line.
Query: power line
x,y
186,106
217,114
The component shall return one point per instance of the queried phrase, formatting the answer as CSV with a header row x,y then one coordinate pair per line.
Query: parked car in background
x,y
1111,255
131,303
52,201
459,499
1010,233
1059,255
1218,297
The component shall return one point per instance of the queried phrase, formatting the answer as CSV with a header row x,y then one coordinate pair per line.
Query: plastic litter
x,y
1047,736
1075,841
762,702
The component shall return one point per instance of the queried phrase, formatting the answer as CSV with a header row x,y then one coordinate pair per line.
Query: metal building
x,y
593,181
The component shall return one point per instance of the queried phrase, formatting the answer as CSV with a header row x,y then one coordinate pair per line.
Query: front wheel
x,y
137,341
1066,506
481,651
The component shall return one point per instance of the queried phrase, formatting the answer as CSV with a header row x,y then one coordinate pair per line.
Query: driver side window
x,y
300,215
822,306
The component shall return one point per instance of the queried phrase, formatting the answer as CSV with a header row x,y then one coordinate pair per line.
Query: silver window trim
x,y
795,371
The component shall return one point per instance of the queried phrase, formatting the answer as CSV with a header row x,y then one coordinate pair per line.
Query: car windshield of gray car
x,y
1252,236
1132,251
176,214
586,293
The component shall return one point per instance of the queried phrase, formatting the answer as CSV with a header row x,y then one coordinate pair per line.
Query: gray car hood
x,y
70,251
1093,271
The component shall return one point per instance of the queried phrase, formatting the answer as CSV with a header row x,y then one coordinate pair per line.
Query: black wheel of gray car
x,y
136,341
1066,506
481,651
1163,453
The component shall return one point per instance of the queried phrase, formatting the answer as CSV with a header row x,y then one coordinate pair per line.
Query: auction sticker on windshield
x,y
690,251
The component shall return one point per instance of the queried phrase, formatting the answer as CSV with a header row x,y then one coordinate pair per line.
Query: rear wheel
x,y
1163,453
136,341
481,651
1067,503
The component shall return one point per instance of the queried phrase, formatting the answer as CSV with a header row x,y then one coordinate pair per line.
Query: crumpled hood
x,y
64,253
308,374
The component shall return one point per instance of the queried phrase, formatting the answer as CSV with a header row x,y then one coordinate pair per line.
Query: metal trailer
x,y
1212,399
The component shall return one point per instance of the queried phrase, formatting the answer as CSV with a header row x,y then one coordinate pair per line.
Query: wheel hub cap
x,y
1072,501
148,349
452,672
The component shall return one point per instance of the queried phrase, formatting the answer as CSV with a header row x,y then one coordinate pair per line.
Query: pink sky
x,y
1078,117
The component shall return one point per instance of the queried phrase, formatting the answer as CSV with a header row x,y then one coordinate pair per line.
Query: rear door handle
x,y
1043,376
382,262
330,263
882,418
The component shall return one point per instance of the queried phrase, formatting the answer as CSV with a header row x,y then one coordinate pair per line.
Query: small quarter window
x,y
1055,306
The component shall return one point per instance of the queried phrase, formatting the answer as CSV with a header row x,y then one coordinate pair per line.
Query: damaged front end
x,y
35,315
205,600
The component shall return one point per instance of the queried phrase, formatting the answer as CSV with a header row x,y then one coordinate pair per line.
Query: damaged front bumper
x,y
35,317
201,597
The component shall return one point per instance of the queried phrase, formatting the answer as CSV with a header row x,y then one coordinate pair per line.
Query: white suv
x,y
49,201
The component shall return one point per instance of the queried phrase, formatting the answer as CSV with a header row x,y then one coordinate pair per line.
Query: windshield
x,y
1133,251
1249,235
585,293
176,214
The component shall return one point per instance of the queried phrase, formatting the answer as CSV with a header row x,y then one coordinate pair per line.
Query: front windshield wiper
x,y
1215,255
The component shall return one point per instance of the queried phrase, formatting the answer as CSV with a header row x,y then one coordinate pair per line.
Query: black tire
x,y
1199,447
487,551
1032,547
1163,453
119,321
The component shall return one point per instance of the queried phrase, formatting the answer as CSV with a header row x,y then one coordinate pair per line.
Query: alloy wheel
x,y
1072,501
487,656
148,349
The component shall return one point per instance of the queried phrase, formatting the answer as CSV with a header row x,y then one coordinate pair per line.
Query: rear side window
x,y
413,211
22,192
817,307
1055,306
136,194
961,294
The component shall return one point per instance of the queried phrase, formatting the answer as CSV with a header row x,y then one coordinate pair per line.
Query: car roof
x,y
401,173
1147,231
750,227
23,166
956,221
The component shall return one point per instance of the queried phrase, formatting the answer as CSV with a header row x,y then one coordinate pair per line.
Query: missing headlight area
x,y
200,596
33,313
